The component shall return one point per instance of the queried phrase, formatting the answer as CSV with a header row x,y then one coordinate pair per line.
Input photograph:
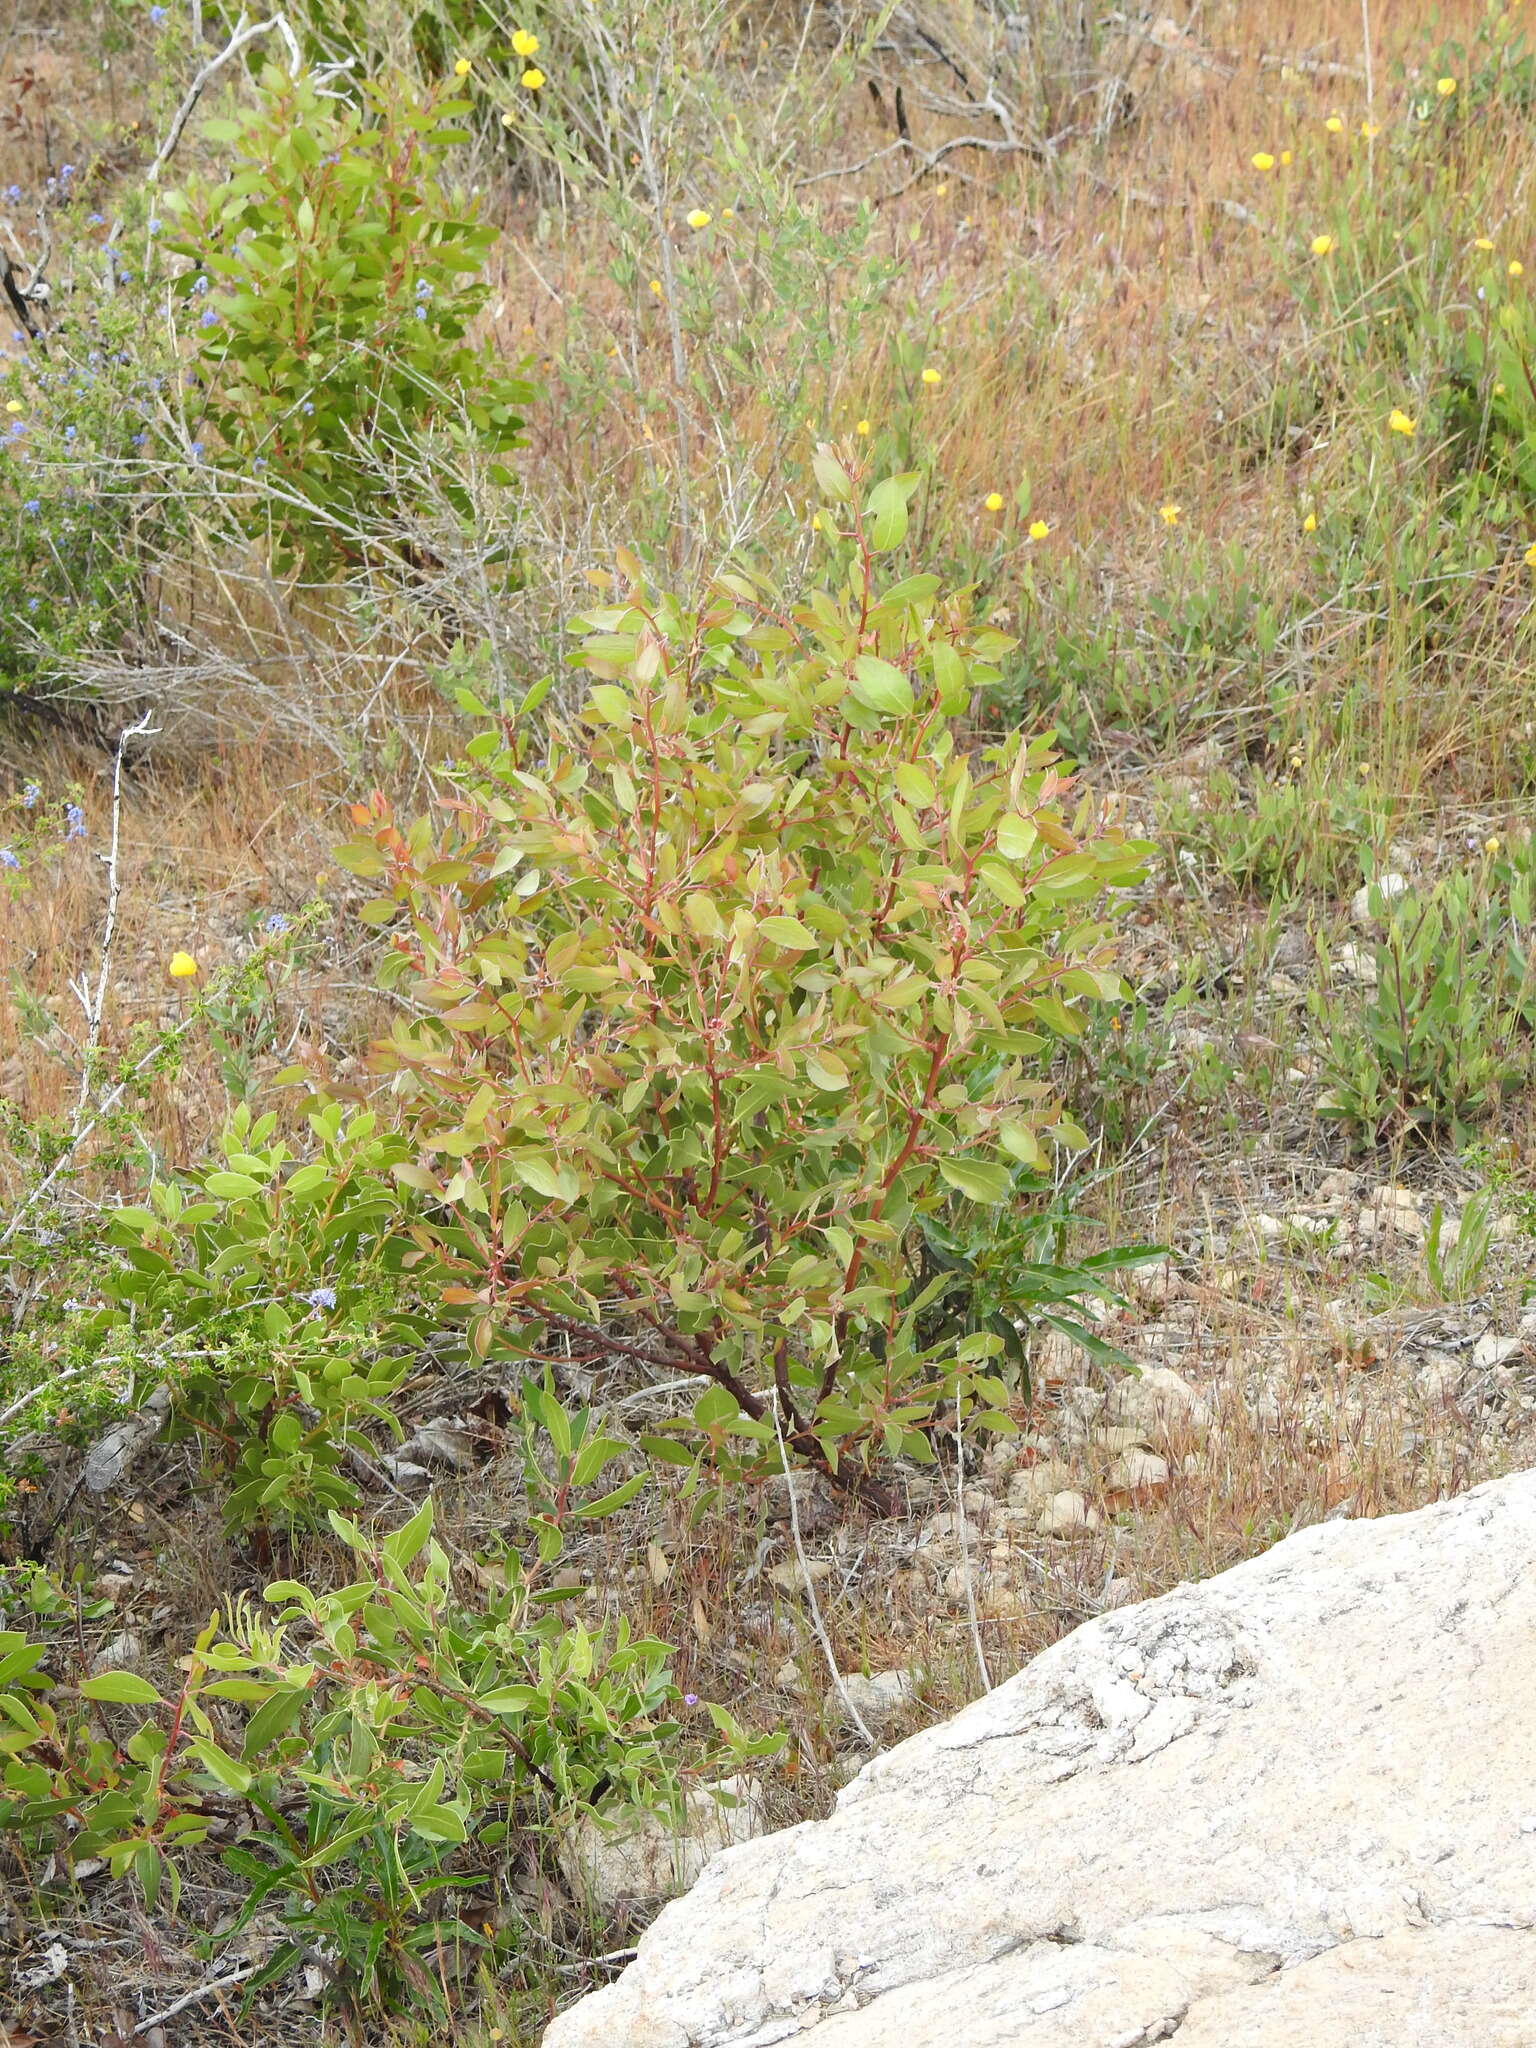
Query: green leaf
x,y
827,1071
1016,836
511,1700
233,1776
788,932
407,1542
538,1171
979,1180
610,1503
439,1824
886,512
834,482
882,688
122,1689
915,784
610,704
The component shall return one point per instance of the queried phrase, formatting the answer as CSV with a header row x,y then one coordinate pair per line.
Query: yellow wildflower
x,y
656,286
698,218
1038,530
1309,524
1334,125
994,501
182,967
533,78
932,376
13,405
1322,245
509,120
1400,423
1445,87
862,427
1285,156
1262,160
1530,556
815,522
1491,843
727,213
1517,268
1370,130
524,44
1484,244
1169,514
462,68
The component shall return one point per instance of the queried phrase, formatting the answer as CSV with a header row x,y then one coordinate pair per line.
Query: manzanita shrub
x,y
267,1298
335,281
722,987
363,1756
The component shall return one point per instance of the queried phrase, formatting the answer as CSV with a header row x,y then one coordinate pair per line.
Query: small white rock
x,y
883,1700
1156,1398
1156,1282
1067,1515
790,1578
118,1652
634,1859
1356,964
1301,1224
1137,1470
1492,1351
1122,1436
1033,1483
1368,905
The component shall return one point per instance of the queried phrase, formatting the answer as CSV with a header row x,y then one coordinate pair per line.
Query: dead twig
x,y
245,33
209,1990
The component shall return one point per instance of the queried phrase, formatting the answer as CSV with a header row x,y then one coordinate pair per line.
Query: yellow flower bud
x,y
182,967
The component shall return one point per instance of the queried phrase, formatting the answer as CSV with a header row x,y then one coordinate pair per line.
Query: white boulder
x,y
1294,1804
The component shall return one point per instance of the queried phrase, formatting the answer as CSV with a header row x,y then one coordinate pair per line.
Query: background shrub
x,y
336,279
